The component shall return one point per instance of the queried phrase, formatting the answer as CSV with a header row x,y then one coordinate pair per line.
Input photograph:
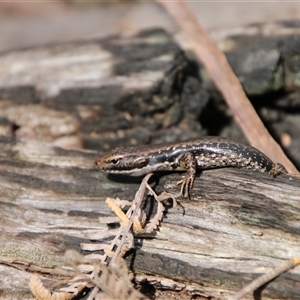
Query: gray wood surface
x,y
143,89
100,94
237,224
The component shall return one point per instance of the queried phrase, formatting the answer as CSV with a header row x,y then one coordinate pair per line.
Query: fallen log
x,y
237,225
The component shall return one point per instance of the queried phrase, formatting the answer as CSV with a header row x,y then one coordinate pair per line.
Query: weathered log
x,y
142,89
237,224
101,93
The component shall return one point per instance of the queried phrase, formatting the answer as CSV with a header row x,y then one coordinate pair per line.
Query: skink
x,y
202,153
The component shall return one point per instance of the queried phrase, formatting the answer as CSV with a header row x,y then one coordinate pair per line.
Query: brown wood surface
x,y
237,224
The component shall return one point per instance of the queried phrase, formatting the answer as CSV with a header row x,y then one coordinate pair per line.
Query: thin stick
x,y
93,293
132,212
261,280
219,69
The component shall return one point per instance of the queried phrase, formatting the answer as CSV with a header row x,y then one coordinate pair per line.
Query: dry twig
x,y
264,278
224,78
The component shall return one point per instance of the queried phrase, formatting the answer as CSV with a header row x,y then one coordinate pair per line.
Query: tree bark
x,y
237,224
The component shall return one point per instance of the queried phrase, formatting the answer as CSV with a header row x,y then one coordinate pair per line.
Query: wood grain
x,y
237,225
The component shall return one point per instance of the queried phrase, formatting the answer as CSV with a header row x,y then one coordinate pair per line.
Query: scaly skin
x,y
202,153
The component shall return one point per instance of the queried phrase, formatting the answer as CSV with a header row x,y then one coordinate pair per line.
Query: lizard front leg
x,y
187,162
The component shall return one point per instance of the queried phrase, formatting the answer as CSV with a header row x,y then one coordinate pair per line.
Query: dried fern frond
x,y
156,219
122,203
117,210
42,293
110,282
108,272
165,196
138,226
111,278
114,281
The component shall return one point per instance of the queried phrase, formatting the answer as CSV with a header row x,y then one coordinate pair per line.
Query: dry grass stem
x,y
264,278
224,78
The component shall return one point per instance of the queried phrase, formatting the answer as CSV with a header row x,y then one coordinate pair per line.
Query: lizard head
x,y
123,163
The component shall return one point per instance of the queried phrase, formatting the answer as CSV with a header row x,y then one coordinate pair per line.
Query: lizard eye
x,y
115,161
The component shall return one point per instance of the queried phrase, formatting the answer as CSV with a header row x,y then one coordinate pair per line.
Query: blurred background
x,y
25,24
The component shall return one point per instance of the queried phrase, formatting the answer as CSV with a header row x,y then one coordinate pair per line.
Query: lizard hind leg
x,y
187,162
